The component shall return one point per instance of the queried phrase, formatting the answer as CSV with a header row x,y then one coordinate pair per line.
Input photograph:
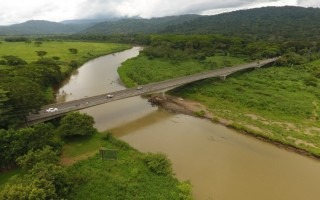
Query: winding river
x,y
220,163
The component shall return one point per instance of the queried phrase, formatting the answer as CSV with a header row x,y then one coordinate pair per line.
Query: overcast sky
x,y
18,11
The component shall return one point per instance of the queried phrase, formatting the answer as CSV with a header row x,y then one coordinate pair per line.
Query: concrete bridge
x,y
64,108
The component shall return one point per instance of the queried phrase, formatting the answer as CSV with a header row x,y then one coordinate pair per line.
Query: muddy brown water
x,y
220,163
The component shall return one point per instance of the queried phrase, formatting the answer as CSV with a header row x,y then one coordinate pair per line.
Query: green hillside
x,y
275,23
268,22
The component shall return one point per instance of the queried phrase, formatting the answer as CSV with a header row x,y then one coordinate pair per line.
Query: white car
x,y
139,88
109,96
52,109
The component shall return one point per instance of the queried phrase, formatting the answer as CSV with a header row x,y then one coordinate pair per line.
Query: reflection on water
x,y
221,164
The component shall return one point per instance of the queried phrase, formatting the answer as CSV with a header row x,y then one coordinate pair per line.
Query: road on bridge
x,y
83,103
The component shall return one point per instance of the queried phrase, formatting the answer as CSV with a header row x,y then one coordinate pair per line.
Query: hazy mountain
x,y
40,27
138,25
88,21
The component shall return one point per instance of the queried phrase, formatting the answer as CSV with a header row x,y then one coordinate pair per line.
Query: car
x,y
52,109
139,88
109,96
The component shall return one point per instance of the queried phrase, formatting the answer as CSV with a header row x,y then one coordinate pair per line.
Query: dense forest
x,y
272,23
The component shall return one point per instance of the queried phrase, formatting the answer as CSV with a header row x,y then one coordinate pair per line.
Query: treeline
x,y
17,39
25,87
199,47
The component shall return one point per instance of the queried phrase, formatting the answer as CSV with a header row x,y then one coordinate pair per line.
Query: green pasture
x,y
141,70
60,49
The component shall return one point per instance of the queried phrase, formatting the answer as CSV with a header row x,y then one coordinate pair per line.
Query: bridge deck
x,y
83,103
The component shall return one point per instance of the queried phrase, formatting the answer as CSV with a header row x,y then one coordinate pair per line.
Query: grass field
x,y
278,103
141,70
86,50
80,148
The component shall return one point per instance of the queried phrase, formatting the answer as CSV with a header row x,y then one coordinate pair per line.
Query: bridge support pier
x,y
223,77
164,95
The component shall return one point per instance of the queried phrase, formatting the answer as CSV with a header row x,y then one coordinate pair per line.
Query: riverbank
x,y
189,107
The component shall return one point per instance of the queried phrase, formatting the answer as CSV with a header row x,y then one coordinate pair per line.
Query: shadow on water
x,y
140,123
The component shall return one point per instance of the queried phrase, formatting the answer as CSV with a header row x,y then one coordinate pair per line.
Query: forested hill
x,y
41,27
268,23
131,25
276,22
281,22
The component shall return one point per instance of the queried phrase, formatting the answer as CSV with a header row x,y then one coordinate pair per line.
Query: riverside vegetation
x,y
33,159
36,150
279,102
30,69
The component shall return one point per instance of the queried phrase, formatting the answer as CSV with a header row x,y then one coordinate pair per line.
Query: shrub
x,y
158,164
3,62
73,64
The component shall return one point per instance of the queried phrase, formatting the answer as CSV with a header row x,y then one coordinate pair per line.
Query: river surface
x,y
220,163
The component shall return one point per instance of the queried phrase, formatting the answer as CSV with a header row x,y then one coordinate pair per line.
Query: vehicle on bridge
x,y
52,109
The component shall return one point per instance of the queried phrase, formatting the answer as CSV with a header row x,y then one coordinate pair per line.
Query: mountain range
x,y
283,22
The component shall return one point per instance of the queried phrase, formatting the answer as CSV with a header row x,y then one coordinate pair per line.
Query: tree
x,y
37,43
43,74
76,123
46,155
27,190
291,58
3,108
16,143
73,50
43,181
14,60
24,95
41,53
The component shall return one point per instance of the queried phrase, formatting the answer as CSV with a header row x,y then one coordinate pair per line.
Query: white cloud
x,y
309,3
17,11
